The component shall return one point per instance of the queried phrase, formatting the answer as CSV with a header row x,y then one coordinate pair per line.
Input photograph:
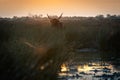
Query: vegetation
x,y
30,49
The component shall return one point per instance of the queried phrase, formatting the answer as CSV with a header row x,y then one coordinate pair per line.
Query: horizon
x,y
44,16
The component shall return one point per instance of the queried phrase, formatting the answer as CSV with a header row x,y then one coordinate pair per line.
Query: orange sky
x,y
9,8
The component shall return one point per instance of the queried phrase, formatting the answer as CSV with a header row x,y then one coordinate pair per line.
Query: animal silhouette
x,y
55,22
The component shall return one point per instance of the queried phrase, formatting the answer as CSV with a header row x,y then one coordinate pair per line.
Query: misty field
x,y
31,49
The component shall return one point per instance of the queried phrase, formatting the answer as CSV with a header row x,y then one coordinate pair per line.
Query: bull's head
x,y
55,22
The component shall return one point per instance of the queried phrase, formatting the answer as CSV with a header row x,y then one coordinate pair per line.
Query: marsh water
x,y
91,69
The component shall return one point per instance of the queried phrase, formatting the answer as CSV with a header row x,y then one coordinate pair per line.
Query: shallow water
x,y
97,70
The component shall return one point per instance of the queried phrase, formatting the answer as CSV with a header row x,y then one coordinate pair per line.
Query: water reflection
x,y
84,68
64,68
88,71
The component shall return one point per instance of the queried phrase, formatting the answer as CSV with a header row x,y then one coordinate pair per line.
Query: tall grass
x,y
33,50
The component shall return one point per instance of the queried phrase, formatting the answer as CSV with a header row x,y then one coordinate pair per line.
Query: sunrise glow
x,y
68,7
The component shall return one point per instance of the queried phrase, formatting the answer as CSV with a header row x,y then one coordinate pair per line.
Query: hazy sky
x,y
10,8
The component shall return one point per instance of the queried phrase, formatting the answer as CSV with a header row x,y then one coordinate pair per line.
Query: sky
x,y
9,8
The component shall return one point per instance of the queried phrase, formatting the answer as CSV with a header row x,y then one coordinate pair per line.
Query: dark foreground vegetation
x,y
30,49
